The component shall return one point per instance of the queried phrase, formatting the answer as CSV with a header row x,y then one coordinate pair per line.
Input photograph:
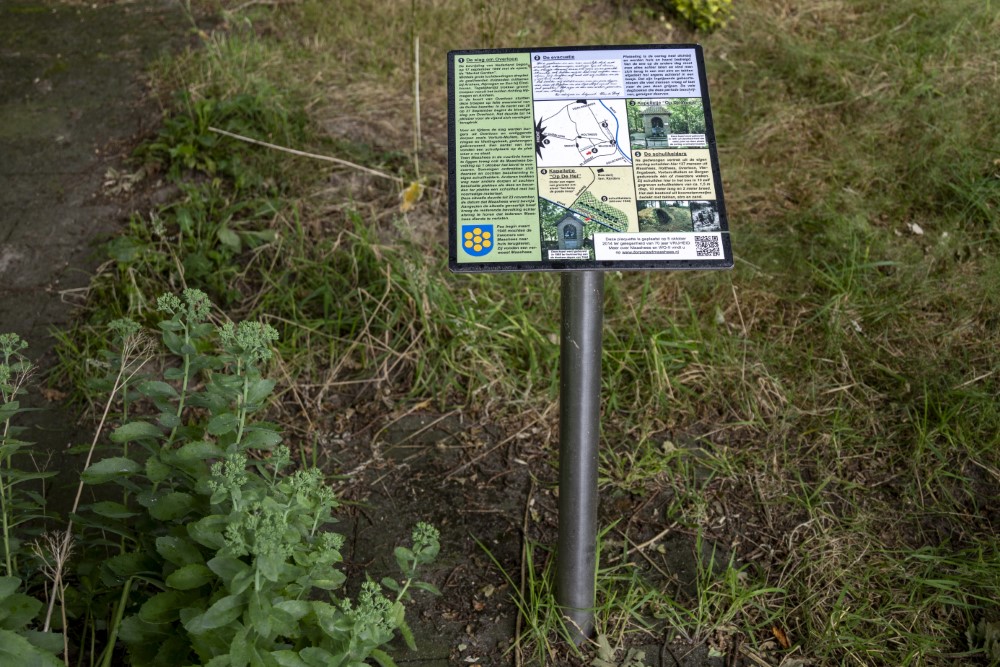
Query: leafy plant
x,y
706,15
20,503
187,142
18,643
214,552
985,636
225,556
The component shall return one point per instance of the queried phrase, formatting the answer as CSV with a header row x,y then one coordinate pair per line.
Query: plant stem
x,y
109,650
6,529
90,454
5,488
184,383
242,404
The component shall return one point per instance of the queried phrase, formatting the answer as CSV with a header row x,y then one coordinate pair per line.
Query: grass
x,y
833,398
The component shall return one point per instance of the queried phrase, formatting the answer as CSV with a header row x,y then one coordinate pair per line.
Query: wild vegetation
x,y
818,427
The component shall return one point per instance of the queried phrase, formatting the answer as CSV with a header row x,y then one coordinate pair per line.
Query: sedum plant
x,y
213,552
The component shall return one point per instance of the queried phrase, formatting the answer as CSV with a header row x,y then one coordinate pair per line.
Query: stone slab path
x,y
73,102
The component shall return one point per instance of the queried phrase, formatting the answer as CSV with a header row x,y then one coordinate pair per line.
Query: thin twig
x,y
489,451
416,106
419,406
127,348
251,3
648,543
425,428
518,654
325,158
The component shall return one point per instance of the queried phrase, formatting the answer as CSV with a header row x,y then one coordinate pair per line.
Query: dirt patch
x,y
489,485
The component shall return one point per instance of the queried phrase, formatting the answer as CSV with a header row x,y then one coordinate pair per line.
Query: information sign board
x,y
586,158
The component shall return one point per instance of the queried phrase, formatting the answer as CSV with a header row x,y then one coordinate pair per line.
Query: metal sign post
x,y
582,160
579,431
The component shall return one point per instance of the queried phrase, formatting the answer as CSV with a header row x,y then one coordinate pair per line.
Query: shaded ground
x,y
73,104
487,487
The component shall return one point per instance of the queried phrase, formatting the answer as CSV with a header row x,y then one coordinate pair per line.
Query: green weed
x,y
201,555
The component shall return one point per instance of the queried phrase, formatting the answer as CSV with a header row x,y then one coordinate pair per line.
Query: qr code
x,y
707,246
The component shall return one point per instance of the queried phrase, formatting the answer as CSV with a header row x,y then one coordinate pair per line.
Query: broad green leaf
x,y
240,649
334,579
260,614
169,506
224,611
112,510
157,389
404,558
16,650
229,238
135,431
173,651
168,420
164,607
227,568
199,450
259,390
125,249
260,439
283,624
50,642
315,656
241,582
178,551
428,554
134,630
8,410
404,630
255,238
8,585
17,610
222,424
270,566
129,564
382,658
106,470
190,576
289,659
156,470
424,586
296,608
208,531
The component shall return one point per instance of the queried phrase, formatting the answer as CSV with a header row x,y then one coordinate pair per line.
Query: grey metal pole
x,y
579,427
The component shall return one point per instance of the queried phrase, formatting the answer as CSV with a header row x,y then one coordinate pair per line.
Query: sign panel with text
x,y
587,158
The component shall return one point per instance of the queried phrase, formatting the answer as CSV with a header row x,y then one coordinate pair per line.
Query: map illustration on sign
x,y
579,133
583,158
